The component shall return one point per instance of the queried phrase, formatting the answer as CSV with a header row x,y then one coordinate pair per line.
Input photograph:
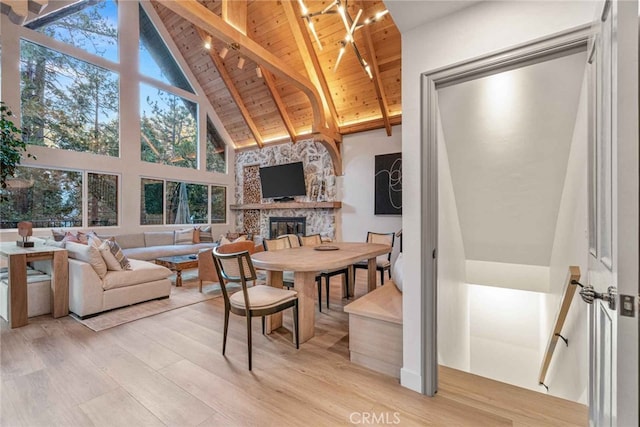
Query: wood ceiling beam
x,y
370,125
211,23
18,10
377,80
269,79
311,63
234,12
228,81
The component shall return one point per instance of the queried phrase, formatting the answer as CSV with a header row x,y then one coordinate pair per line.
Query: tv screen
x,y
283,181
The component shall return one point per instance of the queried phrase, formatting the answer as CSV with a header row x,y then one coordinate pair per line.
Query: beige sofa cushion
x,y
126,241
157,238
183,237
89,254
141,272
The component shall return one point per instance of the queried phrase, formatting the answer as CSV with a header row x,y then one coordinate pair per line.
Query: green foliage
x,y
169,133
12,148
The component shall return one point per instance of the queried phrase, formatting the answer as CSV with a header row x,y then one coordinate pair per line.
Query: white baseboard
x,y
411,380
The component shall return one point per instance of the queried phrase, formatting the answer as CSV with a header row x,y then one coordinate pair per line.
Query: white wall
x,y
480,29
356,186
568,373
453,304
505,333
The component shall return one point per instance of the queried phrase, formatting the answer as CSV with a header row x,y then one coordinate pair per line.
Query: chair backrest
x,y
206,266
235,247
281,242
234,267
294,241
311,240
382,238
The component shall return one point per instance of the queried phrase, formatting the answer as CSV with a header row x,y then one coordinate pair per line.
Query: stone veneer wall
x,y
319,176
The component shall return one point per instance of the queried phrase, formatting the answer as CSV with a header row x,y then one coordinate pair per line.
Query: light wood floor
x,y
168,370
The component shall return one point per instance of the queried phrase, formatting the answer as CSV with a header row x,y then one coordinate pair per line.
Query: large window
x,y
46,197
90,26
67,103
216,150
181,202
102,202
169,128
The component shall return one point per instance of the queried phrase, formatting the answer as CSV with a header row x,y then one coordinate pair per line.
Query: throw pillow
x,y
113,256
206,235
58,235
196,235
183,237
71,237
89,254
223,240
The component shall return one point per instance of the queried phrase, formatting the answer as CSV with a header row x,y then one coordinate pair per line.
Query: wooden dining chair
x,y
257,301
277,244
315,240
383,262
206,268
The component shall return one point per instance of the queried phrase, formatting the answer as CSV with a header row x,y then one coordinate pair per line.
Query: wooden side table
x,y
17,258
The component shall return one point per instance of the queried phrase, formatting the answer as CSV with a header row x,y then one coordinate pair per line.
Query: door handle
x,y
589,295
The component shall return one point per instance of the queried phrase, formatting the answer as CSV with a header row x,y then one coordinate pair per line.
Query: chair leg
x,y
327,278
200,286
226,327
381,277
249,339
295,324
319,282
264,325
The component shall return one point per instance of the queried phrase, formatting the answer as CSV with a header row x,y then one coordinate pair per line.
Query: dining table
x,y
306,262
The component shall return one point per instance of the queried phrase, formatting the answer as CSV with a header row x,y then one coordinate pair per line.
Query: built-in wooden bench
x,y
375,330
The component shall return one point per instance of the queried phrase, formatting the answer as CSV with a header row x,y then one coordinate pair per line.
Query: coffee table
x,y
178,263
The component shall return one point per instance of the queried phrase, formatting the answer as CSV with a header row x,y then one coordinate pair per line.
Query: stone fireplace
x,y
279,225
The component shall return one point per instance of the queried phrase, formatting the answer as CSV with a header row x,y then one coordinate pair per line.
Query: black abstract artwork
x,y
388,184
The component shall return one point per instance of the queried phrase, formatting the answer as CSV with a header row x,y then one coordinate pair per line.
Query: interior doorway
x,y
494,245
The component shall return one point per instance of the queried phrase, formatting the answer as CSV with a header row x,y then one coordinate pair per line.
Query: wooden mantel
x,y
288,205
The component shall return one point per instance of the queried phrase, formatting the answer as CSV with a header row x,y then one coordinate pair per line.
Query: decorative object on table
x,y
388,184
11,147
326,248
25,229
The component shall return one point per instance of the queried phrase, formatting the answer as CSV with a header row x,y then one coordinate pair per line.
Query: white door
x,y
609,204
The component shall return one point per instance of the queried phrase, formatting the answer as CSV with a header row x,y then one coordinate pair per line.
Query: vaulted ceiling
x,y
300,94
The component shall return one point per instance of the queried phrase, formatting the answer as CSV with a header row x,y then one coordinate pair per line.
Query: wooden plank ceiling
x,y
274,107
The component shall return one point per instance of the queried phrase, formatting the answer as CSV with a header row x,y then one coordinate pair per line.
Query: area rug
x,y
183,296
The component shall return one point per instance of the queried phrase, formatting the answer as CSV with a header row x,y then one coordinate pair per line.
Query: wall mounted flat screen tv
x,y
282,182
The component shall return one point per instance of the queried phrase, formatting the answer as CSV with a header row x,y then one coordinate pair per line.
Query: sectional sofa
x,y
96,285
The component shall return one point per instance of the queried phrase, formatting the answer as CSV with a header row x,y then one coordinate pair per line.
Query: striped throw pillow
x,y
113,256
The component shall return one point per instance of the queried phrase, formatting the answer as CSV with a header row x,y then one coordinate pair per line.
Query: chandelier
x,y
350,25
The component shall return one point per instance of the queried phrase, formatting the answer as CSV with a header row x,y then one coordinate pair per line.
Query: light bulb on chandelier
x,y
350,25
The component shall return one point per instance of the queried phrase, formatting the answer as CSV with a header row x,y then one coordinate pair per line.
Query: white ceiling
x,y
508,138
408,14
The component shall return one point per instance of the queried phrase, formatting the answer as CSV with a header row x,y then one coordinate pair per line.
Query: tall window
x,y
69,103
102,203
216,149
90,26
169,129
181,202
46,197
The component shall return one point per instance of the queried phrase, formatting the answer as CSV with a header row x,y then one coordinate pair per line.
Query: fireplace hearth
x,y
286,225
